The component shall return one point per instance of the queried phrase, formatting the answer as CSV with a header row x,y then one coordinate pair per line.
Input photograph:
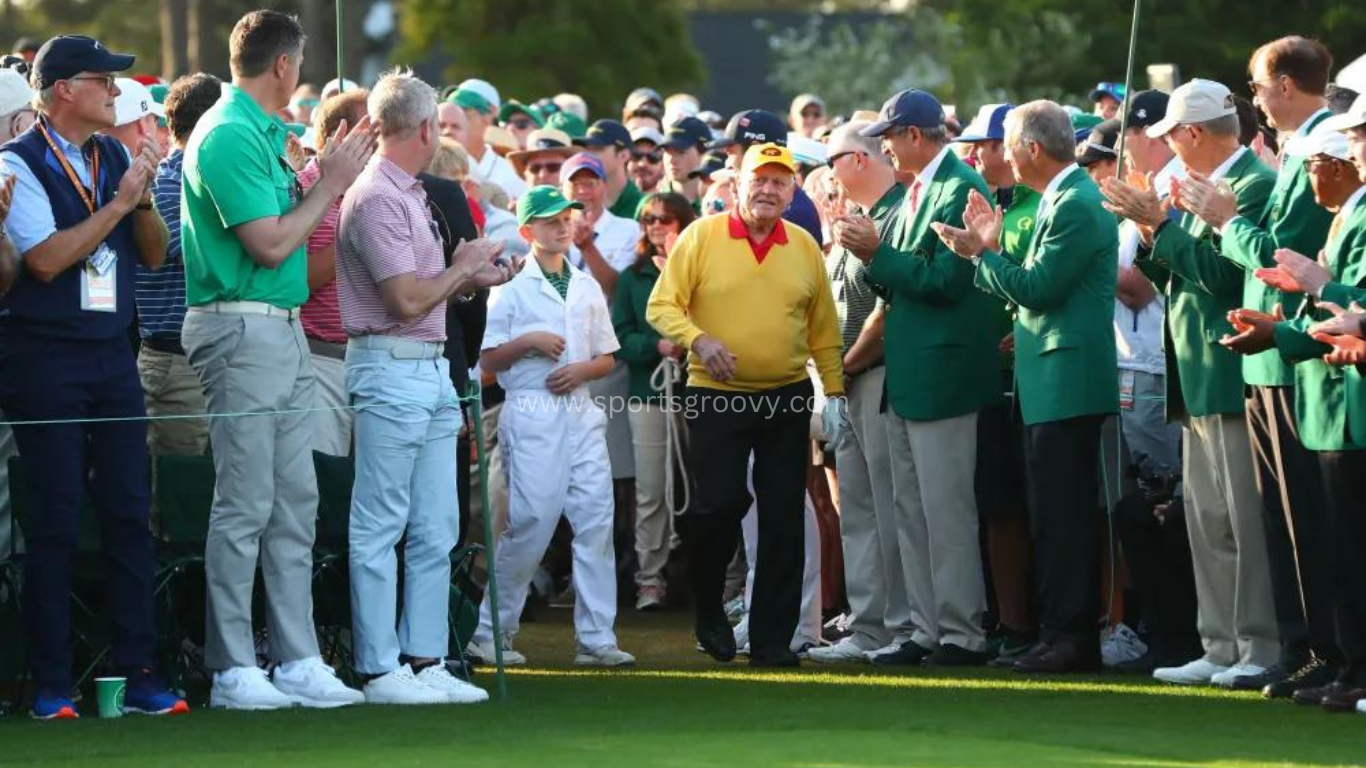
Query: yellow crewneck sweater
x,y
772,314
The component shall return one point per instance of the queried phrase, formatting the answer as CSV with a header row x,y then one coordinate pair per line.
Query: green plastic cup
x,y
109,693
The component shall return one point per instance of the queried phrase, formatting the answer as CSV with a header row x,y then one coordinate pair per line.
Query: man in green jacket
x,y
940,362
1205,386
1064,286
1289,77
1327,398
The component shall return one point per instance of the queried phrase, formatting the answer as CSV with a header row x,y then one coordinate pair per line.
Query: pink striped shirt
x,y
321,314
386,231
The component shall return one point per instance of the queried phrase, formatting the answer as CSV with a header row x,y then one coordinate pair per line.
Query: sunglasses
x,y
544,167
716,205
649,219
653,158
835,158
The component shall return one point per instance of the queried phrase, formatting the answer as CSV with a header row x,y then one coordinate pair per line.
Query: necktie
x,y
915,197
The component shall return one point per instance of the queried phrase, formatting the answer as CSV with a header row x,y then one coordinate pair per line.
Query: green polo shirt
x,y
236,171
627,201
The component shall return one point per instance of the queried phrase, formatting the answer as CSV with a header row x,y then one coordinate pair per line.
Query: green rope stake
x,y
476,401
341,55
1128,91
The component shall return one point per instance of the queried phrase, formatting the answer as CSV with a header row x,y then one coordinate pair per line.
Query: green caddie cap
x,y
512,107
468,99
542,202
569,123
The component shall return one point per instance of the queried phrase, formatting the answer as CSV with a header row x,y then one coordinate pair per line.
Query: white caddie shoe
x,y
246,688
313,684
482,653
1198,672
457,691
606,656
402,687
845,650
1225,679
891,647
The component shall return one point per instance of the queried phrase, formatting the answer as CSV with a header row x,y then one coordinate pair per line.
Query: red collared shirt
x,y
740,231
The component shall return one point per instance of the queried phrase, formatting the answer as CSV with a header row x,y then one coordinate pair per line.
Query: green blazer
x,y
1204,377
941,361
1064,286
638,338
1292,220
1330,401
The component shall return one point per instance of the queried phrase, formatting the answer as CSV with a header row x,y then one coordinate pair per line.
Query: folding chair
x,y
183,487
331,574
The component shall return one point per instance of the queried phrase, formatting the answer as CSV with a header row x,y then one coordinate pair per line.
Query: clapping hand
x,y
982,224
1214,203
481,263
1295,273
1138,203
858,235
1345,322
1255,331
346,153
1347,350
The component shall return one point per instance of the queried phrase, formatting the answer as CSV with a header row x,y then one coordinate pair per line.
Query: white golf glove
x,y
835,421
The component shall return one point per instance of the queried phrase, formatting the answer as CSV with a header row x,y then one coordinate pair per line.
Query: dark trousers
x,y
1061,466
1298,543
44,379
1344,477
724,429
1158,554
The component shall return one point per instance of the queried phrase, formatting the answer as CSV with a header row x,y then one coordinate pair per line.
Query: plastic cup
x,y
109,693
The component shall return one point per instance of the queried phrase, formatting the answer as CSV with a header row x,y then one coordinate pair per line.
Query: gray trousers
x,y
881,612
934,467
265,501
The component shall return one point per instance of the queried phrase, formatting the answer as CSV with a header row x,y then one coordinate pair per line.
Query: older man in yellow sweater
x,y
749,297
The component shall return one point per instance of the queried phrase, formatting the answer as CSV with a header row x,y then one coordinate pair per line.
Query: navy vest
x,y
54,309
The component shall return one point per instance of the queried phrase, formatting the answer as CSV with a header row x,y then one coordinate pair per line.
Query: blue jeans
x,y
405,479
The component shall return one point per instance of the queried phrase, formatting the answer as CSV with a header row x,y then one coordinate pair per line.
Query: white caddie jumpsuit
x,y
554,453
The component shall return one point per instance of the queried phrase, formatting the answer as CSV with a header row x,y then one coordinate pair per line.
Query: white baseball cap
x,y
1198,101
647,133
806,150
1354,117
134,102
14,92
485,89
1323,140
335,86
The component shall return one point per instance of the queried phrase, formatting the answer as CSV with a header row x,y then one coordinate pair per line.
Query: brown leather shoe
x,y
1060,658
1343,699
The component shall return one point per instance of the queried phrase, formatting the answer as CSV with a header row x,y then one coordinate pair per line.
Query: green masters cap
x,y
542,202
159,92
298,129
569,123
512,107
468,99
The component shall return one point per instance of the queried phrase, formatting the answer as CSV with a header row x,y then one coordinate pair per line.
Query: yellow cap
x,y
760,155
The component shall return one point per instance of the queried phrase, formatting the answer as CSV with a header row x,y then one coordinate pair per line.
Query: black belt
x,y
327,348
166,346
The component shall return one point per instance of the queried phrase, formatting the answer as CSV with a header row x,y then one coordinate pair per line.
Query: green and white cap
x,y
543,202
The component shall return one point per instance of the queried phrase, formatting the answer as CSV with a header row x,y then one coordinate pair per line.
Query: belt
x,y
400,349
165,346
244,308
327,348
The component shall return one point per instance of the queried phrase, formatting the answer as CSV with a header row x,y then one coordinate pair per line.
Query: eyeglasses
x,y
653,158
835,158
1257,86
537,168
108,80
1320,161
665,219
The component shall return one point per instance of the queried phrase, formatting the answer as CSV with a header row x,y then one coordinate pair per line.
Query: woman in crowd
x,y
662,217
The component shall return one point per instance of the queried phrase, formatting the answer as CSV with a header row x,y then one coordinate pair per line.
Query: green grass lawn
x,y
679,709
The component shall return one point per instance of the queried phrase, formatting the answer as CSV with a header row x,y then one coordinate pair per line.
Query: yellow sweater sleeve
x,y
667,309
823,331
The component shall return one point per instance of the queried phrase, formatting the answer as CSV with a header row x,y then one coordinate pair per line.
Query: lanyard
x,y
86,195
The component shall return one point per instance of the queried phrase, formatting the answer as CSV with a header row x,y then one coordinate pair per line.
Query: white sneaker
x,y
313,684
891,647
457,691
1225,679
1198,672
845,650
246,688
482,653
606,656
1361,706
649,598
402,687
1122,645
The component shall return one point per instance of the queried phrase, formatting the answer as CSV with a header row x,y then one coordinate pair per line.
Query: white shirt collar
x,y
926,174
1308,125
1352,202
1223,169
1050,191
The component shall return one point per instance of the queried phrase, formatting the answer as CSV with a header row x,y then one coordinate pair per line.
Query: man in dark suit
x,y
1063,283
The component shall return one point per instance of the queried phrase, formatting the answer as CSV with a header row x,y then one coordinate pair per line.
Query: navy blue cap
x,y
910,108
606,133
1147,108
753,126
687,132
66,56
711,163
988,125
